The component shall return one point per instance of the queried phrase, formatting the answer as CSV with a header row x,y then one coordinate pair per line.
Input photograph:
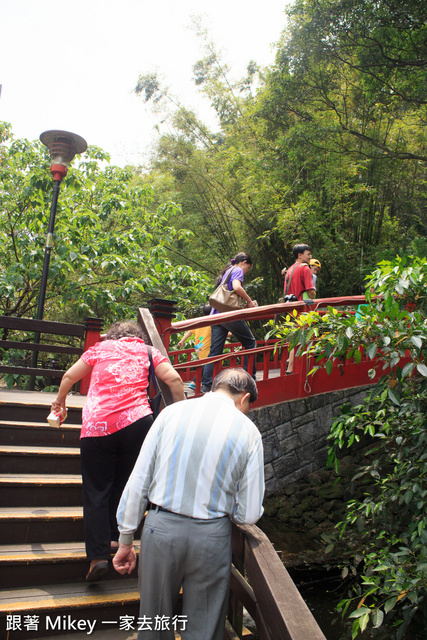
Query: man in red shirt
x,y
298,279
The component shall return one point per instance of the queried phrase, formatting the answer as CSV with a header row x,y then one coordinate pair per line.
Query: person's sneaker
x,y
204,389
192,385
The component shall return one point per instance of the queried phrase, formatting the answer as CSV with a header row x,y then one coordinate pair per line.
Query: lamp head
x,y
63,146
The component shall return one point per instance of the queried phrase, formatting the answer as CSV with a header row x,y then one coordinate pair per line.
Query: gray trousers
x,y
195,554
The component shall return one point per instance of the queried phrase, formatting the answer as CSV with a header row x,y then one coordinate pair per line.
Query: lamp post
x,y
63,146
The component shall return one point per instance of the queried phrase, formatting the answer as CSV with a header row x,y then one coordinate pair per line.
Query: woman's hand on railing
x,y
251,304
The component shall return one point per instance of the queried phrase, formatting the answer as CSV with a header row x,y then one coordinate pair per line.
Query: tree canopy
x,y
112,247
326,146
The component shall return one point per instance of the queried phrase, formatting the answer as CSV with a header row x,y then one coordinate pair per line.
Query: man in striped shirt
x,y
200,465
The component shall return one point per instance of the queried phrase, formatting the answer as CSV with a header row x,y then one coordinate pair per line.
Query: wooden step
x,y
23,525
32,459
32,490
37,563
39,433
42,559
33,406
103,603
36,413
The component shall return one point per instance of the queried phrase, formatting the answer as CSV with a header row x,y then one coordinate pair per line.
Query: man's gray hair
x,y
236,381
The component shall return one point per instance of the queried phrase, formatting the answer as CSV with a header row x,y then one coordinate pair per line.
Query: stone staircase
x,y
42,557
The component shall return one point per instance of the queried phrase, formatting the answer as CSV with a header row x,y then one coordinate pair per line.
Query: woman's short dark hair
x,y
236,381
125,328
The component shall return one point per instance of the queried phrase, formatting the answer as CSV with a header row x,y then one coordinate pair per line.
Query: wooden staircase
x,y
42,558
43,593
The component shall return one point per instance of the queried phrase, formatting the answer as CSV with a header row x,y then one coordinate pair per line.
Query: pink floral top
x,y
118,387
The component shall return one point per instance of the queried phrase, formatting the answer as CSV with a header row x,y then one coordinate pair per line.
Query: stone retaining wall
x,y
294,435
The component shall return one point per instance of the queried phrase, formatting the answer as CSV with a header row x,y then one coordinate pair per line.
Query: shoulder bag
x,y
155,401
224,300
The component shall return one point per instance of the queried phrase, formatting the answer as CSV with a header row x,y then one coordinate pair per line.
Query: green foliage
x,y
385,527
326,146
402,281
363,63
220,178
348,140
112,248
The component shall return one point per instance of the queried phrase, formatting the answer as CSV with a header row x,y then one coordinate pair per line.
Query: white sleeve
x,y
250,492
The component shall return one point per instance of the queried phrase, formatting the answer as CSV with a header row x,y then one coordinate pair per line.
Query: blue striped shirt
x,y
201,458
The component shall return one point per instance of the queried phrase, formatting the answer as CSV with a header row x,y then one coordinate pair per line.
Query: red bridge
x,y
274,386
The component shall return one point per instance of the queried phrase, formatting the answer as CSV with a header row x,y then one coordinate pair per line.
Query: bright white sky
x,y
73,65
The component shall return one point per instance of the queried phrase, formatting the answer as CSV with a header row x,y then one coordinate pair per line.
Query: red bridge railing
x,y
274,385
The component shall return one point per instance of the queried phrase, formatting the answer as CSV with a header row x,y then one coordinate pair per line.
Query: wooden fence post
x,y
163,311
146,321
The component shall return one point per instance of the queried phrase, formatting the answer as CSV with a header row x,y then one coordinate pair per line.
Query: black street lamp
x,y
63,146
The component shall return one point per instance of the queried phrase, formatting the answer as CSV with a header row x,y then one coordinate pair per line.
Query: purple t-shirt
x,y
235,274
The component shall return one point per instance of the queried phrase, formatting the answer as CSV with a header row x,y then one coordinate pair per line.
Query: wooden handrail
x,y
90,331
224,356
145,320
274,384
30,371
261,584
42,326
263,313
32,346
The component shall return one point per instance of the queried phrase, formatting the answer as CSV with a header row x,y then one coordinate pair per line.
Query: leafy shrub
x,y
385,527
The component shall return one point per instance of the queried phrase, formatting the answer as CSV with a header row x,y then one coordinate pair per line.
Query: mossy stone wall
x,y
295,435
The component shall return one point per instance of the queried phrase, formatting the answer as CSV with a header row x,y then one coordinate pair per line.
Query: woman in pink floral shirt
x,y
115,420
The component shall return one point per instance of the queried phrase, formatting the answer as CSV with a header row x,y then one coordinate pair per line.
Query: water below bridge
x,y
321,589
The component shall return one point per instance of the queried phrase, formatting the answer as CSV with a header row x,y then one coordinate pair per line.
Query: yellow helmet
x,y
315,263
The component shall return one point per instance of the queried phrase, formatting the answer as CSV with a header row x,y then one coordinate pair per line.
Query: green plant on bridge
x,y
385,527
